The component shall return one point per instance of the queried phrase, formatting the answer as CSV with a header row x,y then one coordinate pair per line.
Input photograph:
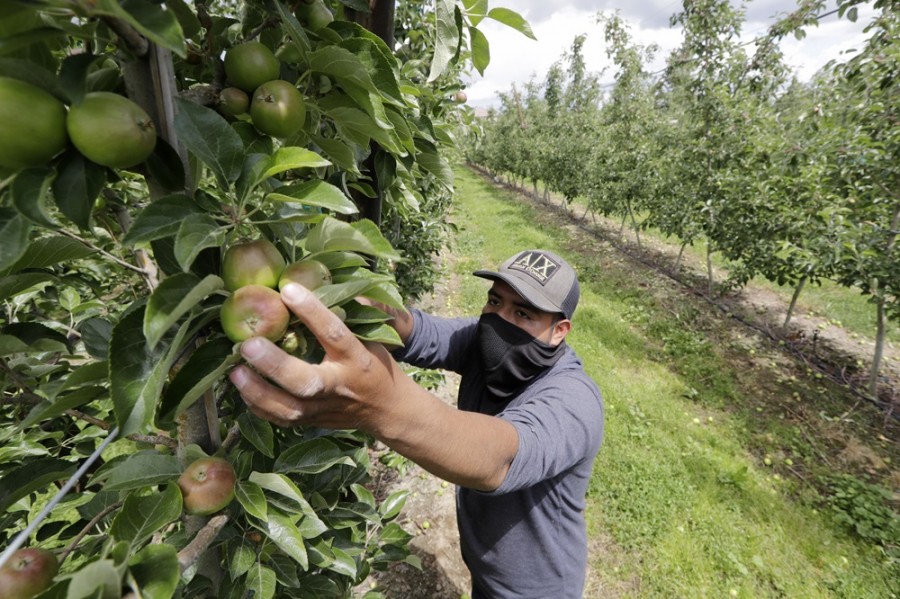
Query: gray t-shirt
x,y
527,539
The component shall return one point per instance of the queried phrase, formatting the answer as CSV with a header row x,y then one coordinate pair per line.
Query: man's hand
x,y
348,389
360,386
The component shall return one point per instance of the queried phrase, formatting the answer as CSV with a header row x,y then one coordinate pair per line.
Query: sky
x,y
516,58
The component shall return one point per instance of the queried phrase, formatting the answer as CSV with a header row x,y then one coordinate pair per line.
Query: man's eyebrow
x,y
518,302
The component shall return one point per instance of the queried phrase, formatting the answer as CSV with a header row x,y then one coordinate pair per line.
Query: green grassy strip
x,y
680,504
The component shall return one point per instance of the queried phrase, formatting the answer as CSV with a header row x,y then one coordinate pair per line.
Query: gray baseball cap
x,y
542,278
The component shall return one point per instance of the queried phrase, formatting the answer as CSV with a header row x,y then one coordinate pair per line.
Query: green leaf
x,y
430,160
78,183
95,334
206,366
137,374
13,285
160,219
14,232
196,233
446,37
315,193
85,374
476,10
29,194
174,298
392,505
512,19
363,494
358,127
284,533
378,333
362,236
35,475
151,19
187,18
49,251
97,579
372,58
47,409
211,139
338,293
311,457
290,498
278,483
241,558
343,563
393,534
141,516
260,580
142,469
293,28
258,432
19,41
481,50
339,153
155,569
251,497
289,158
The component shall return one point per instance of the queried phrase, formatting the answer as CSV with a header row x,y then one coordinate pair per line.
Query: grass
x,y
708,483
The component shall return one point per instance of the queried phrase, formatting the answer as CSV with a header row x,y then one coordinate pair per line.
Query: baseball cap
x,y
542,278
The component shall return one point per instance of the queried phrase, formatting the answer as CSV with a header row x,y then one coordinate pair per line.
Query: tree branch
x,y
117,260
71,546
136,42
201,542
155,440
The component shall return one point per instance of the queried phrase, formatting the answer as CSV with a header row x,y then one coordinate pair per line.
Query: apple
x,y
312,274
254,311
252,263
207,486
27,573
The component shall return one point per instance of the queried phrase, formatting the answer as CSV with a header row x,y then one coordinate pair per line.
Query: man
x,y
522,444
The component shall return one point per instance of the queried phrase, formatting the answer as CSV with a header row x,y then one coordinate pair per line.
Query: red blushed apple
x,y
207,486
254,311
27,573
252,263
312,274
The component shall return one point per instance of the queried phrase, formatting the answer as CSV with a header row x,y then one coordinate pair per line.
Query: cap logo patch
x,y
537,265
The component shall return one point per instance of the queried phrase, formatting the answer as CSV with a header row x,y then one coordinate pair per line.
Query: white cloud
x,y
517,59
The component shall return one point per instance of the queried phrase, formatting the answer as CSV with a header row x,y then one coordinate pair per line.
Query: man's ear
x,y
560,330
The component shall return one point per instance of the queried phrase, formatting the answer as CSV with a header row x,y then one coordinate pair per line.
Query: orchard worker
x,y
522,443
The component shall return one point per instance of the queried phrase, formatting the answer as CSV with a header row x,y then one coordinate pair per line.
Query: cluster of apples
x,y
252,271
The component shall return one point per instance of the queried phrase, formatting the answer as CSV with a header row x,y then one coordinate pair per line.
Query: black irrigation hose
x,y
824,367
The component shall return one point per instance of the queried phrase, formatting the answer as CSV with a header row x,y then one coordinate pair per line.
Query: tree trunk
x,y
880,329
150,82
637,232
790,312
680,255
587,207
709,271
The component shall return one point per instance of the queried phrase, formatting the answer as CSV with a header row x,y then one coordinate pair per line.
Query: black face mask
x,y
511,357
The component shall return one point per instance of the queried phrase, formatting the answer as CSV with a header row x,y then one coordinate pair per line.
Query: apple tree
x,y
164,167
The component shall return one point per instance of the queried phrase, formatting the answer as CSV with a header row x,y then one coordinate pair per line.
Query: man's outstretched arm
x,y
360,386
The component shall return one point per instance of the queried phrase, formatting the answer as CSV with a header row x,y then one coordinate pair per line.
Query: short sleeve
x,y
560,424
